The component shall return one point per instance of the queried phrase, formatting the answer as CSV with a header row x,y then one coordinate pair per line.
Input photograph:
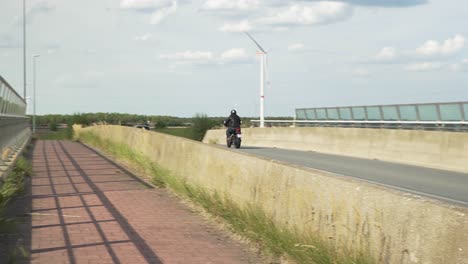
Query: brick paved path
x,y
86,209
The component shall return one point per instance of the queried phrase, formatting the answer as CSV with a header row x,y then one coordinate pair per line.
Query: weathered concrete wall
x,y
9,153
434,149
395,227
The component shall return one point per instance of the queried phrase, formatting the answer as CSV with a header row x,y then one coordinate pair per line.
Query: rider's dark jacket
x,y
233,121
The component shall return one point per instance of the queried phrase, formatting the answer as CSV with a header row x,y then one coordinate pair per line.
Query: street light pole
x,y
24,48
34,91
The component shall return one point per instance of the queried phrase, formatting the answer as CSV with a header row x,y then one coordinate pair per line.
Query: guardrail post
x,y
2,157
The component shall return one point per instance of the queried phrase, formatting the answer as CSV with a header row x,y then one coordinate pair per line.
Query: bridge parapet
x,y
432,149
394,227
14,126
451,116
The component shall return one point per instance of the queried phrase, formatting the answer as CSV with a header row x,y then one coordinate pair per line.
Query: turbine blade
x,y
256,43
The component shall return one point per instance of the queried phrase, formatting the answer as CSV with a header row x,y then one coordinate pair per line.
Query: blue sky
x,y
181,57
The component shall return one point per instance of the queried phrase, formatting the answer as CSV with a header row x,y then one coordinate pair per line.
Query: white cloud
x,y
51,49
159,9
231,56
280,29
384,3
426,66
144,37
236,27
276,15
449,46
311,14
230,4
296,47
189,56
6,41
38,6
144,4
455,67
458,66
62,79
361,72
35,8
387,53
162,13
92,73
235,55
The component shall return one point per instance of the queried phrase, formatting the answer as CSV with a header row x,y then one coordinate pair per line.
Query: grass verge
x,y
249,221
61,134
18,254
14,184
185,132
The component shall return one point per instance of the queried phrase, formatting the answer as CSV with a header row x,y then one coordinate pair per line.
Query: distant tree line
x,y
110,118
132,119
196,125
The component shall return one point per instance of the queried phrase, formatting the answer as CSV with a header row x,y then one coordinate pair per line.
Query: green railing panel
x,y
300,115
450,112
465,111
408,113
433,112
390,113
373,113
321,114
11,103
345,113
310,114
332,113
359,113
428,113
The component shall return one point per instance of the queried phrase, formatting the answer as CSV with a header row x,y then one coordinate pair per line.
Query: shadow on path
x,y
71,212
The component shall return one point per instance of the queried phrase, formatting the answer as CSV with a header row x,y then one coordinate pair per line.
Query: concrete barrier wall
x,y
11,148
395,227
434,149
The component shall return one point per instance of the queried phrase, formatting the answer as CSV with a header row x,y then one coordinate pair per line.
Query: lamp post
x,y
34,91
24,48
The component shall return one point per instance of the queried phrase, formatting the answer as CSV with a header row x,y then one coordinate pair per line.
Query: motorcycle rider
x,y
232,122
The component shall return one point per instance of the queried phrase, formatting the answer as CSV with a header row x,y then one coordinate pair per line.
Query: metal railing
x,y
435,112
14,125
11,103
434,116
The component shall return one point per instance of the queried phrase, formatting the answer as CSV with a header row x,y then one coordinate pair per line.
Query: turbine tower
x,y
263,57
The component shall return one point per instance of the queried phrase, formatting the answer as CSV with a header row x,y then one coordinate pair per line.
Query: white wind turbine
x,y
263,69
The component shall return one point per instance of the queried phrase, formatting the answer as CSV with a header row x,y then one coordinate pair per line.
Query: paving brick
x,y
95,212
71,201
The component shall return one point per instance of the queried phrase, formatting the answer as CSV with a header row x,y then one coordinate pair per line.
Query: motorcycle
x,y
235,138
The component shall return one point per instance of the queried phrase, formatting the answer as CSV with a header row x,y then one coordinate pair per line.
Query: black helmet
x,y
233,112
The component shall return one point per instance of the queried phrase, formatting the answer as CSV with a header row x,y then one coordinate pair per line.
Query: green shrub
x,y
53,127
13,185
62,134
178,132
201,124
160,124
69,129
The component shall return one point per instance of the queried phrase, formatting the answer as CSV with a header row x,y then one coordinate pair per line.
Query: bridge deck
x,y
86,209
448,186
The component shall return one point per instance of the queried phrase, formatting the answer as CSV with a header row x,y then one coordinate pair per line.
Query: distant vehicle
x,y
142,126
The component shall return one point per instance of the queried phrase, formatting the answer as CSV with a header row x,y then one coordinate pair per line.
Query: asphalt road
x,y
443,185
